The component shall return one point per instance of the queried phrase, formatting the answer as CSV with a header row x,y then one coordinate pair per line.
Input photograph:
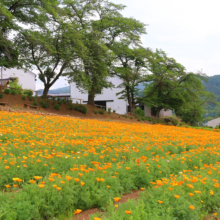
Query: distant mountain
x,y
213,85
59,90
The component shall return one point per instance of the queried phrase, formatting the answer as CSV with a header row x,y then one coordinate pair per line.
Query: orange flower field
x,y
58,166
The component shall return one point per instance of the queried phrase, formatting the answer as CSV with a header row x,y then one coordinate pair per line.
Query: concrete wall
x,y
119,105
162,113
167,113
214,122
26,79
147,111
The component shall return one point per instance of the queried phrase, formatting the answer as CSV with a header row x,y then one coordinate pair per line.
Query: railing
x,y
77,99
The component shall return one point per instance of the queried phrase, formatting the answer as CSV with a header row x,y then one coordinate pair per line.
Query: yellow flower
x,y
37,177
191,207
77,211
117,199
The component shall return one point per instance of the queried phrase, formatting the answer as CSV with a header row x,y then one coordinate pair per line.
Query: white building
x,y
214,122
25,78
106,98
109,99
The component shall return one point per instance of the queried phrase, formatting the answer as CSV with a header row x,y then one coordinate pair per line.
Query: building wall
x,y
119,105
162,113
214,122
167,113
26,79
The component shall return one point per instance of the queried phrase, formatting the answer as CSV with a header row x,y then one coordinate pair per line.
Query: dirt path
x,y
84,215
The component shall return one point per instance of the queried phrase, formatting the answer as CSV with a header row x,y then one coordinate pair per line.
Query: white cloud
x,y
187,30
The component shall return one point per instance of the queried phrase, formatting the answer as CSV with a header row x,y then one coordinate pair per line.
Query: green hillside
x,y
59,90
213,85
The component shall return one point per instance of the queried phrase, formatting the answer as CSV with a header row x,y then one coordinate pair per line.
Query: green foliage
x,y
71,106
57,107
13,92
35,103
6,91
59,102
1,96
102,111
24,97
113,111
171,87
96,112
131,69
131,117
45,104
109,110
30,98
27,92
15,87
83,109
175,122
139,112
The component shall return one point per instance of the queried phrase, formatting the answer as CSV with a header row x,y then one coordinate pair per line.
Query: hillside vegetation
x,y
57,166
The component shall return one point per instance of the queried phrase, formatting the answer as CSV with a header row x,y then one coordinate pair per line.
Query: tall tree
x,y
13,15
130,67
52,50
102,21
169,85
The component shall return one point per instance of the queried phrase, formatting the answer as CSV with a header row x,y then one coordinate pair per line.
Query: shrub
x,y
83,109
102,111
71,106
31,98
27,92
6,91
35,103
175,122
109,110
14,86
1,96
59,102
57,107
76,107
96,112
45,105
43,97
53,98
131,117
181,124
113,111
13,92
24,97
139,112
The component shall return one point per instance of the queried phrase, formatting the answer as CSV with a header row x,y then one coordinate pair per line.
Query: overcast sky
x,y
187,30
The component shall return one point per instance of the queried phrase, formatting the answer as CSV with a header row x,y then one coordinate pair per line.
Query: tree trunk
x,y
91,98
158,112
46,89
132,109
